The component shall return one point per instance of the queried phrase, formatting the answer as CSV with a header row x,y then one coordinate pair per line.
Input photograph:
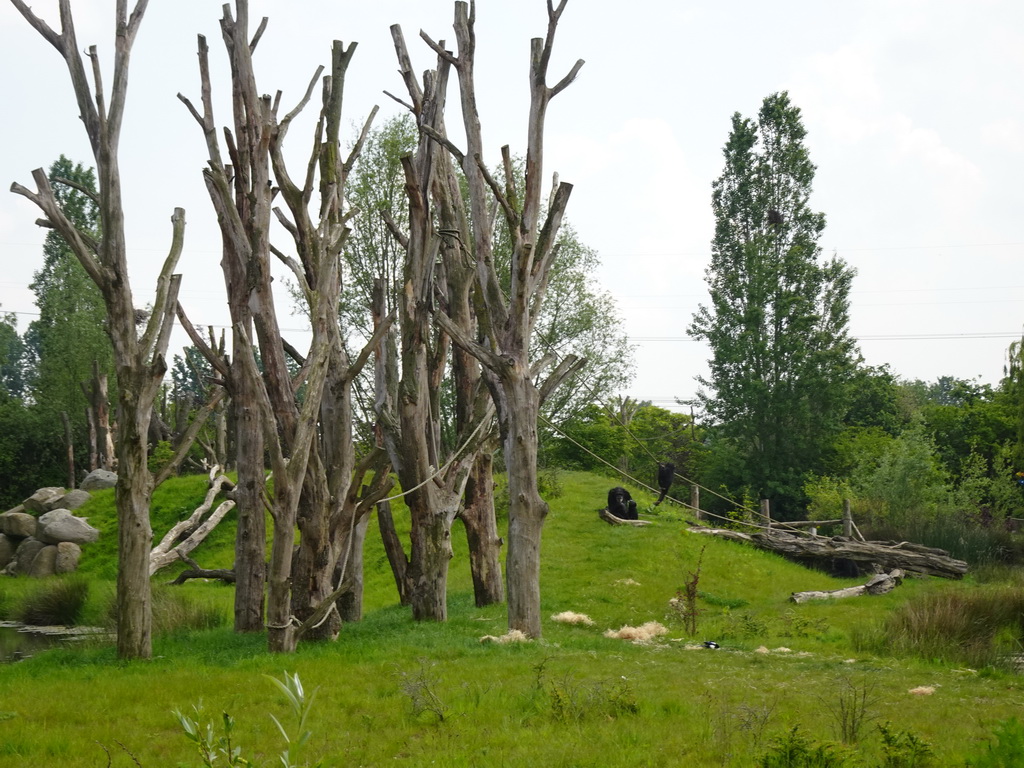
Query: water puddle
x,y
18,641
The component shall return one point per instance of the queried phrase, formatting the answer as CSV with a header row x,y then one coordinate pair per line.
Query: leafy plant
x,y
903,749
794,750
214,746
211,745
1007,752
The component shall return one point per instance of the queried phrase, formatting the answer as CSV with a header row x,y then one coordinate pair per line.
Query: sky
x,y
914,111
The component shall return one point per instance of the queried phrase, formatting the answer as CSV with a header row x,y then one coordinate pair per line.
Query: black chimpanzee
x,y
666,473
621,504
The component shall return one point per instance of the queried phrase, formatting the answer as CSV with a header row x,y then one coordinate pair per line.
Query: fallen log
x,y
611,519
876,585
868,556
197,572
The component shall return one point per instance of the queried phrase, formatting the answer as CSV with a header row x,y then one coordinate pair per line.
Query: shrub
x,y
1008,750
57,601
967,627
174,611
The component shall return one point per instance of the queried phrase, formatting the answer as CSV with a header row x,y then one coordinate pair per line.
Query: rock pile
x,y
41,537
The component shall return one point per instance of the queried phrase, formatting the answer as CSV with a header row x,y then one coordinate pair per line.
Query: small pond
x,y
18,642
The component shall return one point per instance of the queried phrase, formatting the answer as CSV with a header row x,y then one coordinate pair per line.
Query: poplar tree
x,y
777,322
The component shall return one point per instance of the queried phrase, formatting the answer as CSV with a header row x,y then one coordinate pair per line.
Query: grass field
x,y
393,692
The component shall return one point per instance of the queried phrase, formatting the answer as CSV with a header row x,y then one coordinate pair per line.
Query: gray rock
x,y
17,524
27,551
74,499
7,548
44,563
99,479
68,555
60,525
44,500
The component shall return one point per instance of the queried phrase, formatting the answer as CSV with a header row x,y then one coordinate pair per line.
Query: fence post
x,y
766,512
847,519
695,500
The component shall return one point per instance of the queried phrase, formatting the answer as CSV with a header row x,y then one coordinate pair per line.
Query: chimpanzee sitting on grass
x,y
621,504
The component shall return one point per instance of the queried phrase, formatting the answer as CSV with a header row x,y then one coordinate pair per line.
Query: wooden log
x,y
876,585
886,555
198,572
611,519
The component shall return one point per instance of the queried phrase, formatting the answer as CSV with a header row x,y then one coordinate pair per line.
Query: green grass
x,y
574,698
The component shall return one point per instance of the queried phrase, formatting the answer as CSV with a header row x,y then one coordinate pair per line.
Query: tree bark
x,y
888,555
481,525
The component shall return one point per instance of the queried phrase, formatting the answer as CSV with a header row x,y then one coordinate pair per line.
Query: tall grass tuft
x,y
53,602
978,627
175,611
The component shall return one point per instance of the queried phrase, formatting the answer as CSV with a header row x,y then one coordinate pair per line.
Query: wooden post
x,y
695,501
766,512
847,519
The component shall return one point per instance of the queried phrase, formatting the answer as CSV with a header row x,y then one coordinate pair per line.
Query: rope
x,y
437,472
683,477
654,490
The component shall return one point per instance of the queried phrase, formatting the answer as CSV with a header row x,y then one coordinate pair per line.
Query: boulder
x,y
74,499
44,563
17,524
7,549
60,525
68,555
99,479
44,500
27,551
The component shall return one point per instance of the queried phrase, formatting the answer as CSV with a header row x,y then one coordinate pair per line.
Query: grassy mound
x,y
394,691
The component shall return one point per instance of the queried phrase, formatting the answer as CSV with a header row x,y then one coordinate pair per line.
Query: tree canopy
x,y
777,321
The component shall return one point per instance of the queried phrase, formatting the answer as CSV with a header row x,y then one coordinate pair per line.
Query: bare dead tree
x,y
241,191
433,484
317,485
506,323
139,360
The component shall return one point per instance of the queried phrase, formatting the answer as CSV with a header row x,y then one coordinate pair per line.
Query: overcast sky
x,y
914,111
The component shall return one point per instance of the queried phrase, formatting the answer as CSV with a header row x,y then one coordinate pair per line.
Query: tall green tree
x,y
777,321
69,334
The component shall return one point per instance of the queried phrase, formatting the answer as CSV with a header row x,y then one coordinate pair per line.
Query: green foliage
x,y
903,749
1008,750
210,745
979,627
908,481
794,750
214,747
782,358
175,610
573,700
57,601
69,335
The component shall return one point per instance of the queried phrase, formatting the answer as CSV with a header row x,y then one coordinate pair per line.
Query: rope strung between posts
x,y
653,490
684,478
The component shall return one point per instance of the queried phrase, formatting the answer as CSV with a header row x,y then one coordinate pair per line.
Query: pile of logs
x,y
868,556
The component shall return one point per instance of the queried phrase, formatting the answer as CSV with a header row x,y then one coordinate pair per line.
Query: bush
x,y
980,627
1008,751
60,601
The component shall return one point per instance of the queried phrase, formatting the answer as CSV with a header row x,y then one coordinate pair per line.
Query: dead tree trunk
x,y
507,324
139,361
869,555
241,193
433,484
